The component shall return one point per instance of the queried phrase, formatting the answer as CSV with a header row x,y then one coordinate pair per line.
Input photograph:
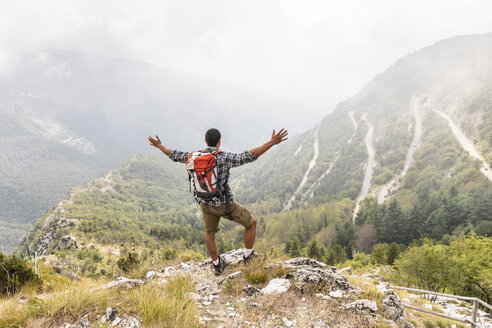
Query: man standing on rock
x,y
223,204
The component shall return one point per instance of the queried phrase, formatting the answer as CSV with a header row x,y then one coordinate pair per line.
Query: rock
x,y
326,298
360,306
288,323
123,283
233,257
109,314
298,261
250,290
150,275
374,276
307,270
67,242
84,323
255,305
336,294
22,300
392,307
66,273
234,275
277,286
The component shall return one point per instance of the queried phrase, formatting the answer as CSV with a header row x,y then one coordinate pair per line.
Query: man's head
x,y
212,137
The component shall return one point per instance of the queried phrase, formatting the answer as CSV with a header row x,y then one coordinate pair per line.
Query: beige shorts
x,y
212,215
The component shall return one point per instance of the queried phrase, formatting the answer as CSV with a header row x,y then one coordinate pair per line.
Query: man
x,y
216,208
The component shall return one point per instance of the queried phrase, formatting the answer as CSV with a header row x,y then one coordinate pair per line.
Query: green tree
x,y
14,273
335,255
315,250
425,266
378,254
295,247
392,253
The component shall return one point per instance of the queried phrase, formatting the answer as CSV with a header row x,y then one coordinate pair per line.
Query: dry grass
x,y
167,306
171,306
70,304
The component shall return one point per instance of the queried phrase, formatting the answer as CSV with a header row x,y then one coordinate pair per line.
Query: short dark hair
x,y
212,137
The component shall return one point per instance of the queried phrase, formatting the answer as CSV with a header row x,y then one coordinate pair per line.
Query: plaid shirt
x,y
225,161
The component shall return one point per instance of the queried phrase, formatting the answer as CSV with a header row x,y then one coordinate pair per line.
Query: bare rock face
x,y
307,270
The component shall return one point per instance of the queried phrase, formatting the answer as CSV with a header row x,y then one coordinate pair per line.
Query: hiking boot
x,y
246,259
219,267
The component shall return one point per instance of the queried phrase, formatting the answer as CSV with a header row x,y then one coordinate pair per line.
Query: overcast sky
x,y
315,52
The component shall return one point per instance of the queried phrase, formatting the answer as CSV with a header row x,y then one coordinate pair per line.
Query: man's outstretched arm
x,y
276,139
177,156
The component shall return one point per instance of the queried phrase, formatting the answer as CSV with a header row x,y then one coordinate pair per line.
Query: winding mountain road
x,y
354,122
312,163
467,144
328,170
366,185
394,184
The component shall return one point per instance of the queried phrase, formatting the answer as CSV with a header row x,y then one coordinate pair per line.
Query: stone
x,y
150,275
336,294
84,323
109,314
392,307
277,286
309,271
288,323
123,283
360,306
250,290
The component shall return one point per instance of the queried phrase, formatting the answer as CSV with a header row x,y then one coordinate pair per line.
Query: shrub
x,y
14,273
129,263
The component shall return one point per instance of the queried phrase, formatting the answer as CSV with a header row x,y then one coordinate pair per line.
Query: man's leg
x,y
211,247
249,235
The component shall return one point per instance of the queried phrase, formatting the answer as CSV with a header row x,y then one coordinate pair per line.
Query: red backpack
x,y
202,170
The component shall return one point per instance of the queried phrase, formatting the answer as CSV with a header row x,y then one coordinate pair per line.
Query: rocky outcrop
x,y
392,307
363,306
64,272
122,282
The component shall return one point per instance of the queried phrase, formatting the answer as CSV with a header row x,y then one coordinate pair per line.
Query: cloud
x,y
317,52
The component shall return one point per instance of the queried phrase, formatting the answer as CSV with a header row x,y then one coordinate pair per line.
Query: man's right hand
x,y
279,137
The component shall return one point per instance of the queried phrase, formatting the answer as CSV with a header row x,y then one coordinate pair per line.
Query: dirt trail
x,y
394,184
369,168
467,144
312,163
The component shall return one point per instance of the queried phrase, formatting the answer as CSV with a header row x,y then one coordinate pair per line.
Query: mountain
x,y
407,157
67,118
